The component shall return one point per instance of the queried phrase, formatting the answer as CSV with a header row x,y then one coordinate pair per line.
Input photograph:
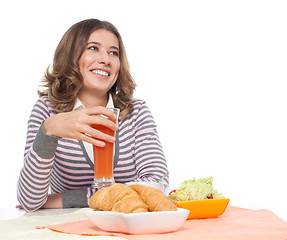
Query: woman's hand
x,y
77,125
54,201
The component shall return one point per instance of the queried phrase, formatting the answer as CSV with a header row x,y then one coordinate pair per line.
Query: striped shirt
x,y
63,165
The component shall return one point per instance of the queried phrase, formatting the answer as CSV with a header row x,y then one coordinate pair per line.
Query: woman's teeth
x,y
103,73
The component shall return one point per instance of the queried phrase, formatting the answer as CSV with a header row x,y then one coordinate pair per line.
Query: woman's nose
x,y
103,58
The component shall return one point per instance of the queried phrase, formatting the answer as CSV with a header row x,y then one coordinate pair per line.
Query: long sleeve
x,y
33,183
141,156
77,198
149,157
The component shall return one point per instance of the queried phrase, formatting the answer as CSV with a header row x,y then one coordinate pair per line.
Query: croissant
x,y
154,198
117,198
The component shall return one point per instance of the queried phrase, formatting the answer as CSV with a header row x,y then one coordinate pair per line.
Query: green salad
x,y
195,190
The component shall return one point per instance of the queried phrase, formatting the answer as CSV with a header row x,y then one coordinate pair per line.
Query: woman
x,y
90,72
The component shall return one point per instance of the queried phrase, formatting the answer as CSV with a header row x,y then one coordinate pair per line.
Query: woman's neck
x,y
93,100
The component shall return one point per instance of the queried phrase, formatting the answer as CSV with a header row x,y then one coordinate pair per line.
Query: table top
x,y
17,224
12,215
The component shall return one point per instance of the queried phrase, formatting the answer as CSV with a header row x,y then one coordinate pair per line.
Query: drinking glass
x,y
104,156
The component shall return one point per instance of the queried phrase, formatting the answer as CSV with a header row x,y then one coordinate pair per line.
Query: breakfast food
x,y
117,198
131,199
154,198
195,190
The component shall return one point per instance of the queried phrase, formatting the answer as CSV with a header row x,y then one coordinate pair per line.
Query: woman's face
x,y
100,63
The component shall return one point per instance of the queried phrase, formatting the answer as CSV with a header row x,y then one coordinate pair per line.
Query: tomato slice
x,y
210,196
172,192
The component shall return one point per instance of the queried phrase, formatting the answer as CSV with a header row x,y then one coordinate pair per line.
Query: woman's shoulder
x,y
137,103
43,101
139,106
139,109
44,104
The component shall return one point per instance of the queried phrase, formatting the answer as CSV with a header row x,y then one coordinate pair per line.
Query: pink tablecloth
x,y
234,224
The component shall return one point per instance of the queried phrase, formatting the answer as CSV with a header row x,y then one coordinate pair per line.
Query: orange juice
x,y
103,156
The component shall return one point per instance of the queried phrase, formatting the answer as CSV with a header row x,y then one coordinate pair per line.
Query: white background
x,y
212,72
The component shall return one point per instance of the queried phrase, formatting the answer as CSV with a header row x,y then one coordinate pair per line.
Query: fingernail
x,y
102,144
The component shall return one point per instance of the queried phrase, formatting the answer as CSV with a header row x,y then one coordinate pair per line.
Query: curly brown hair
x,y
63,82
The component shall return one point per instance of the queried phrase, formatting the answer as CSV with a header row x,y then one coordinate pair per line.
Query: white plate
x,y
139,223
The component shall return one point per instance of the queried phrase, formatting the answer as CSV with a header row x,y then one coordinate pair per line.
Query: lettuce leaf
x,y
195,190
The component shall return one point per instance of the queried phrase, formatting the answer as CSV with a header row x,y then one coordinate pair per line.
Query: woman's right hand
x,y
77,125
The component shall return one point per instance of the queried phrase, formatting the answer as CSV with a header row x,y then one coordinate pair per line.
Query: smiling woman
x,y
90,72
65,81
99,67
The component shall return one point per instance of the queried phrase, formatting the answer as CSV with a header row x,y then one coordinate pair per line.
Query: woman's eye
x,y
115,53
93,48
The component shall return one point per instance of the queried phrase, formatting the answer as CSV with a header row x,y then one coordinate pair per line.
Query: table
x,y
236,223
45,216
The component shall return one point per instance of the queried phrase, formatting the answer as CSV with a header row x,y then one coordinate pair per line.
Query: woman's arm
x,y
149,156
33,183
68,199
44,129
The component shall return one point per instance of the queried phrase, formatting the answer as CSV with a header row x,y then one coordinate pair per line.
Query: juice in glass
x,y
104,157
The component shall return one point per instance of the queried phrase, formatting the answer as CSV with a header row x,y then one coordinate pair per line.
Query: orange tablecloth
x,y
235,223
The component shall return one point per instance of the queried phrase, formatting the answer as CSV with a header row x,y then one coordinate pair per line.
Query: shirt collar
x,y
79,104
110,103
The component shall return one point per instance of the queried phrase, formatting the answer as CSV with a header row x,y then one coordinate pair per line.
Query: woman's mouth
x,y
100,72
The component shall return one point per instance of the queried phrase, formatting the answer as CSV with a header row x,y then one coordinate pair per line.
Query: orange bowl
x,y
206,208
